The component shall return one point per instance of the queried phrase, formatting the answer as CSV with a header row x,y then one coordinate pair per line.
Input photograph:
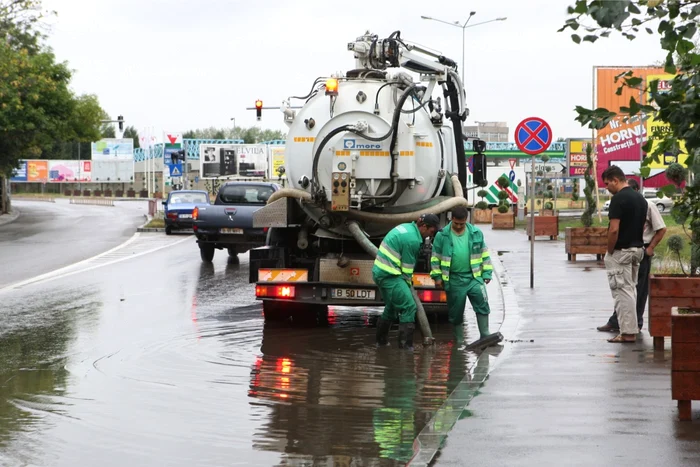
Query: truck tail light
x,y
275,291
195,213
432,296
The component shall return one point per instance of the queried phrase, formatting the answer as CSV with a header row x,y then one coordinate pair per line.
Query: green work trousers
x,y
398,300
458,288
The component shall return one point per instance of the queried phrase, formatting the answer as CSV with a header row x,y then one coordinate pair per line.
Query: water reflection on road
x,y
114,370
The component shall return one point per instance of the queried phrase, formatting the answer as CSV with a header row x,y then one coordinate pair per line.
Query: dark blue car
x,y
179,207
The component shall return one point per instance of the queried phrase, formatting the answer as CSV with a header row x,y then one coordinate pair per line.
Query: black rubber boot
x,y
406,335
383,332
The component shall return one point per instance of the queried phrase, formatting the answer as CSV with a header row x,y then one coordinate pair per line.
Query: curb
x,y
9,218
433,435
143,229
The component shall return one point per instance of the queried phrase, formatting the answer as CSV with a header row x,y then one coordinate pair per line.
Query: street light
x,y
463,27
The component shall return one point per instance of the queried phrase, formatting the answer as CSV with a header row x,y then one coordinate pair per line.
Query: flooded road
x,y
161,360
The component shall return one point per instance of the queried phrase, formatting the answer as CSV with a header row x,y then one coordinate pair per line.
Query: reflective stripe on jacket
x,y
441,258
398,253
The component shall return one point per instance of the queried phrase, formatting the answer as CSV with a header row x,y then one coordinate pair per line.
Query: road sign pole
x,y
532,224
533,136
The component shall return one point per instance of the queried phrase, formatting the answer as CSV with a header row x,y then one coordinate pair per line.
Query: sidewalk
x,y
11,217
570,397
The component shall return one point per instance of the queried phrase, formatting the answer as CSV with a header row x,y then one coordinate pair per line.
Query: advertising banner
x,y
113,149
577,163
620,143
276,161
37,171
64,171
233,160
20,174
658,130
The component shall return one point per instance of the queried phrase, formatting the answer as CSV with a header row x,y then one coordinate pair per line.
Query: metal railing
x,y
93,201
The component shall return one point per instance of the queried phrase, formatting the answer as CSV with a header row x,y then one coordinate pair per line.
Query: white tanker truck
x,y
367,150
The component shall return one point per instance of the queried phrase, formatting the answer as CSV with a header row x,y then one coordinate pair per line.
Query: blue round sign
x,y
533,136
471,165
511,175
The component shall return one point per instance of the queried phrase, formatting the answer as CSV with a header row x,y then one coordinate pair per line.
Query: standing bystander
x,y
628,213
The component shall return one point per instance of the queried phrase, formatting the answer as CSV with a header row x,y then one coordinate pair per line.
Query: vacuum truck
x,y
368,149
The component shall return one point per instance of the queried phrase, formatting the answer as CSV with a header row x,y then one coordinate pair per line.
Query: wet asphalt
x,y
47,236
162,360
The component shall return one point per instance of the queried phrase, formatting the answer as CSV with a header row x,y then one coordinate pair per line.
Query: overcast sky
x,y
176,65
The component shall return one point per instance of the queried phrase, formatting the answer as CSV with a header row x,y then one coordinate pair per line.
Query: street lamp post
x,y
463,27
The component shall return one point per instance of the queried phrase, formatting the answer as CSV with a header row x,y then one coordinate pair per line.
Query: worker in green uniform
x,y
461,264
393,274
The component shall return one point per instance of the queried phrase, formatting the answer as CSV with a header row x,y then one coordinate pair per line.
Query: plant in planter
x,y
131,193
108,192
482,213
587,239
504,218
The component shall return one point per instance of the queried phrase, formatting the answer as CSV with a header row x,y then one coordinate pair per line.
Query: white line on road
x,y
142,245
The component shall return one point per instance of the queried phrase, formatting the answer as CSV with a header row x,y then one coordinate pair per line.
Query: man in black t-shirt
x,y
628,213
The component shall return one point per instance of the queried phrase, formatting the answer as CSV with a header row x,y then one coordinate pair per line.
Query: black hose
x,y
318,80
442,160
314,167
455,117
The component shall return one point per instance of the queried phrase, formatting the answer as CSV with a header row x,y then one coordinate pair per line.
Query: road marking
x,y
137,245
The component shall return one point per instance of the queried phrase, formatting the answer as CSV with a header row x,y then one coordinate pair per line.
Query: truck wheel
x,y
275,312
168,230
206,252
232,251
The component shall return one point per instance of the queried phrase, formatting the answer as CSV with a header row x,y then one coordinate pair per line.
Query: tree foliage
x,y
250,135
675,22
132,132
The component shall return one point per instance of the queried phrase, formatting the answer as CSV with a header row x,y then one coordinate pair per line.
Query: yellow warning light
x,y
331,87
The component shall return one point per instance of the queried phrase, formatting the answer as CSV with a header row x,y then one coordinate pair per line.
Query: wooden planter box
x,y
67,192
108,193
586,240
685,360
545,226
120,193
143,194
97,193
76,192
482,216
503,221
131,194
665,292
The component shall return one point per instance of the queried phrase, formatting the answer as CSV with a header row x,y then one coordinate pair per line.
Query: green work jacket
x,y
441,259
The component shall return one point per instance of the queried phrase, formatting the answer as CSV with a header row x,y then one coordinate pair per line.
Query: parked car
x,y
179,207
228,223
663,204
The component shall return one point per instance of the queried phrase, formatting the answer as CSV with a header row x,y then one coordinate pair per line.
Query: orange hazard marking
x,y
423,280
283,275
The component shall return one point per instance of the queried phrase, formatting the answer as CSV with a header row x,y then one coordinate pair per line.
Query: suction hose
x,y
369,247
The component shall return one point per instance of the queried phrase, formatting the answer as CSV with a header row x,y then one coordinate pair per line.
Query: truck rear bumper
x,y
321,293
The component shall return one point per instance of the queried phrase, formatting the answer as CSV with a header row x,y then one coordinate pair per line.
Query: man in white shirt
x,y
654,231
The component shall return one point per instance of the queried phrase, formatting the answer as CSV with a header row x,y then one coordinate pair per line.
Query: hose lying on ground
x,y
369,247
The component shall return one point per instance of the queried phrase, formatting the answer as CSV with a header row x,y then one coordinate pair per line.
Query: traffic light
x,y
258,109
120,120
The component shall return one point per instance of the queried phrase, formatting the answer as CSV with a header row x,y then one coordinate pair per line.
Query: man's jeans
x,y
623,269
642,293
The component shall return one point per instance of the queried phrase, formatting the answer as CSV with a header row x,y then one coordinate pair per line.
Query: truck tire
x,y
275,311
232,251
300,313
206,252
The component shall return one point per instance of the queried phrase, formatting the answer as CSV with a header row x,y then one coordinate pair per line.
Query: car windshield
x,y
253,194
188,198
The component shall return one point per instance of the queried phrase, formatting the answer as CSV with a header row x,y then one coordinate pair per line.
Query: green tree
x,y
107,131
131,132
250,135
676,25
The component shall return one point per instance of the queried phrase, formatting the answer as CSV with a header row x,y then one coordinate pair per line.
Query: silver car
x,y
663,204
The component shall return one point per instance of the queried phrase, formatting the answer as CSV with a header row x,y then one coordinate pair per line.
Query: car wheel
x,y
168,230
661,207
206,252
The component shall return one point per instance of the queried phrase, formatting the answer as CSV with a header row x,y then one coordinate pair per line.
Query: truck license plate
x,y
232,231
353,294
185,216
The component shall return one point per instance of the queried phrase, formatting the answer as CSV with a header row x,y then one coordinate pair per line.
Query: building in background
x,y
491,132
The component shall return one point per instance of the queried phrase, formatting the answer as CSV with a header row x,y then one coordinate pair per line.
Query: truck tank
x,y
372,144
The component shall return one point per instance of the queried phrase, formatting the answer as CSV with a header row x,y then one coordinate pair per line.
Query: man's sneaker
x,y
608,328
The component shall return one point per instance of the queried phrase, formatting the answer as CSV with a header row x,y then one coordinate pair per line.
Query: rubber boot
x,y
406,335
458,333
383,328
483,322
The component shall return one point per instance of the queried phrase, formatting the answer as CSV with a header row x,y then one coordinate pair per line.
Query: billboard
x,y
119,171
38,171
113,149
20,174
576,161
620,143
61,171
233,160
276,161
